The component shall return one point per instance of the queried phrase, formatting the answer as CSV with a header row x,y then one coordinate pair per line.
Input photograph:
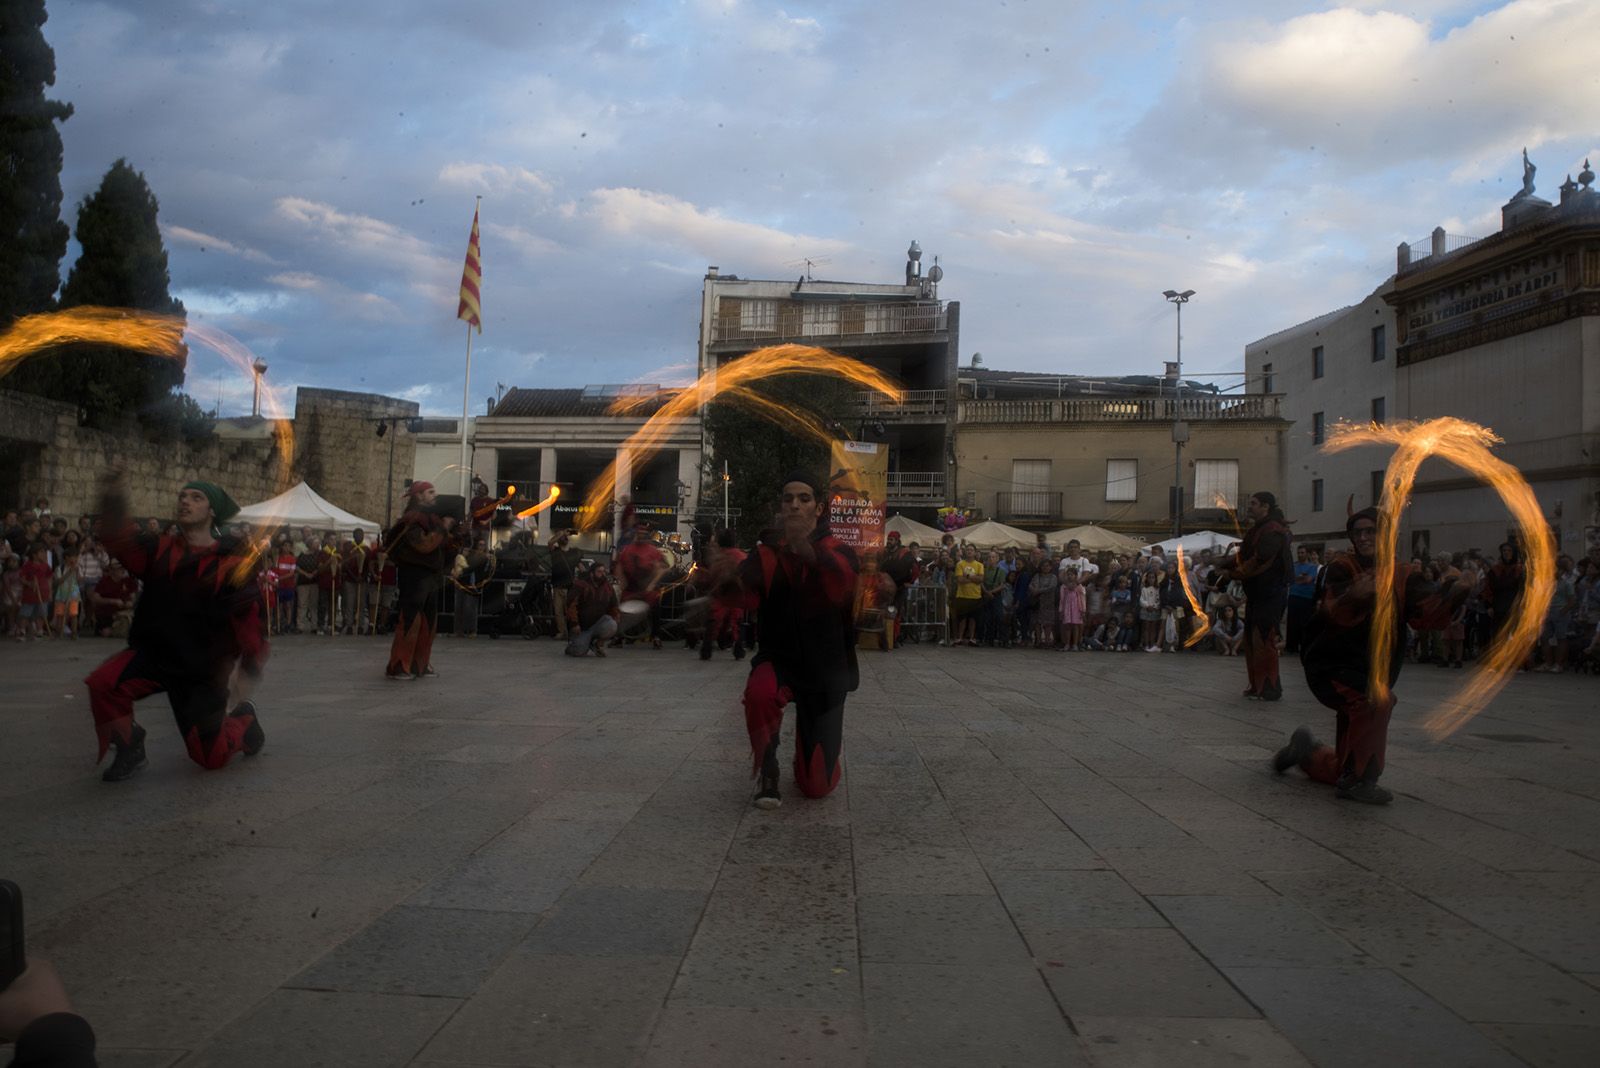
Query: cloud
x,y
205,242
494,178
662,218
1379,90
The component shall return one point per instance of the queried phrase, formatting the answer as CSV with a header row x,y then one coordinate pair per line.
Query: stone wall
x,y
44,452
338,451
68,465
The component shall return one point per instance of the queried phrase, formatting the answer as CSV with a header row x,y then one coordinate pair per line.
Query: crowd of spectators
x,y
1067,600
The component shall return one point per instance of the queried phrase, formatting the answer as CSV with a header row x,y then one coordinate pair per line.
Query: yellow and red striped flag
x,y
471,278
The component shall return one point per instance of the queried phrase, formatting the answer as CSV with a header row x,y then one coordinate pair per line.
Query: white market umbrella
x,y
912,531
992,535
1199,541
302,506
1094,539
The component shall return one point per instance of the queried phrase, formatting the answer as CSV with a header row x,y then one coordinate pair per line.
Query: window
x,y
758,316
1030,488
1122,480
1377,488
1380,344
1216,483
1266,378
1318,428
1379,409
1316,362
1316,495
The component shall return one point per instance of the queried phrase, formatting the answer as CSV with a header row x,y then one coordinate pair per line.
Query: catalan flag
x,y
471,278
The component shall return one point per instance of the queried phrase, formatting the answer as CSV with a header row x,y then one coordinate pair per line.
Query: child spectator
x,y
1072,601
11,595
1228,632
36,579
66,595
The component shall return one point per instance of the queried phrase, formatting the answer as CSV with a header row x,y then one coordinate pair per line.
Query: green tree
x,y
32,236
760,452
123,265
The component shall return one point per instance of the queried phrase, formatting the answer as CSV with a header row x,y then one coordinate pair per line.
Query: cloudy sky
x,y
316,165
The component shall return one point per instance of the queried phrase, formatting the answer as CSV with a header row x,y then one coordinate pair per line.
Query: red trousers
x,y
818,734
1362,736
200,707
1261,659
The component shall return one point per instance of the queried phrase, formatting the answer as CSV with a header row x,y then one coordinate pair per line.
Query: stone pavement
x,y
1035,859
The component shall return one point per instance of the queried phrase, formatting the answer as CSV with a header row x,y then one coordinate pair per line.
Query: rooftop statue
x,y
1528,171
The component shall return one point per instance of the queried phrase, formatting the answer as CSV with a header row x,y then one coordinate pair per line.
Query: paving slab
x,y
1032,859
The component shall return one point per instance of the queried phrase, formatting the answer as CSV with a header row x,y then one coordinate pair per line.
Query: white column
x,y
547,478
689,474
623,488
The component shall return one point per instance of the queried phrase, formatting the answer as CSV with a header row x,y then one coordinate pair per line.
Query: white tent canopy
x,y
912,531
1199,541
992,535
302,506
1093,539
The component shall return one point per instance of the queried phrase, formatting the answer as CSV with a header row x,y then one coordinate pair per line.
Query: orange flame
x,y
1233,516
489,509
550,498
1202,621
155,335
1467,446
733,382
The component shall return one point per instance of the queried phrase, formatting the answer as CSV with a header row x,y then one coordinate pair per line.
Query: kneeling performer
x,y
801,591
197,620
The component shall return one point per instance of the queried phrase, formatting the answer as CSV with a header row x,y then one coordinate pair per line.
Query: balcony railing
x,y
916,487
914,404
1413,254
1122,409
771,321
1026,505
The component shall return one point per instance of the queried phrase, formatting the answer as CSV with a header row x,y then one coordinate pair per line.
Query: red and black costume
x,y
639,565
901,565
808,656
421,549
1265,567
1336,655
199,616
727,601
1502,587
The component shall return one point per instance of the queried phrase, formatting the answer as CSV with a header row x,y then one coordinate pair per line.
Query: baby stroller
x,y
518,606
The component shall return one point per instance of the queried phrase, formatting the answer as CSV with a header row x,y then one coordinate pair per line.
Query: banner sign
x,y
858,493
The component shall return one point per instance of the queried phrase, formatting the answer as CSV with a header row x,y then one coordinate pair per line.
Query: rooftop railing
x,y
1121,409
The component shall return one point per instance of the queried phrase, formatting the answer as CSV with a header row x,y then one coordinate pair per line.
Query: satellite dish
x,y
935,273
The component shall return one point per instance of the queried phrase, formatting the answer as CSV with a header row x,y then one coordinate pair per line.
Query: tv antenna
x,y
809,262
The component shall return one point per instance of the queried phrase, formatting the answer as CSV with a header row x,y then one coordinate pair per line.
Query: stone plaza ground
x,y
1034,859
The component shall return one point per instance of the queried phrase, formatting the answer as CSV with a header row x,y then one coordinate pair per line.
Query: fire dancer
x,y
722,585
641,565
1265,566
801,589
421,547
1337,658
197,620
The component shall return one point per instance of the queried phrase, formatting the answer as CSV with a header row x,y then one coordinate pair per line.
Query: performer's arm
x,y
1347,597
119,533
830,578
1268,553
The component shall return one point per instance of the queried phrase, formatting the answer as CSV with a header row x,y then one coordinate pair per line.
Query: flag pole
x,y
466,396
466,389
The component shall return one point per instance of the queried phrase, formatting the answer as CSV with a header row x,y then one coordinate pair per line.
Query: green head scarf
x,y
222,505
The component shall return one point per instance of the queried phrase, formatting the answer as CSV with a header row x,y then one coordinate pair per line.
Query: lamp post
x,y
1180,429
259,367
385,424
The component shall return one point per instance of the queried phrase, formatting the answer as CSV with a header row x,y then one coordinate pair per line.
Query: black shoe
x,y
599,648
1301,743
1252,695
254,736
705,649
1368,793
1272,691
427,673
767,797
129,759
738,651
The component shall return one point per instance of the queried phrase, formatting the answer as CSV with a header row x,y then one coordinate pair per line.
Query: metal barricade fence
x,y
925,613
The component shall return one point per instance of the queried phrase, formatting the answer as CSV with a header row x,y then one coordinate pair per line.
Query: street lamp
x,y
259,366
1180,429
385,423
